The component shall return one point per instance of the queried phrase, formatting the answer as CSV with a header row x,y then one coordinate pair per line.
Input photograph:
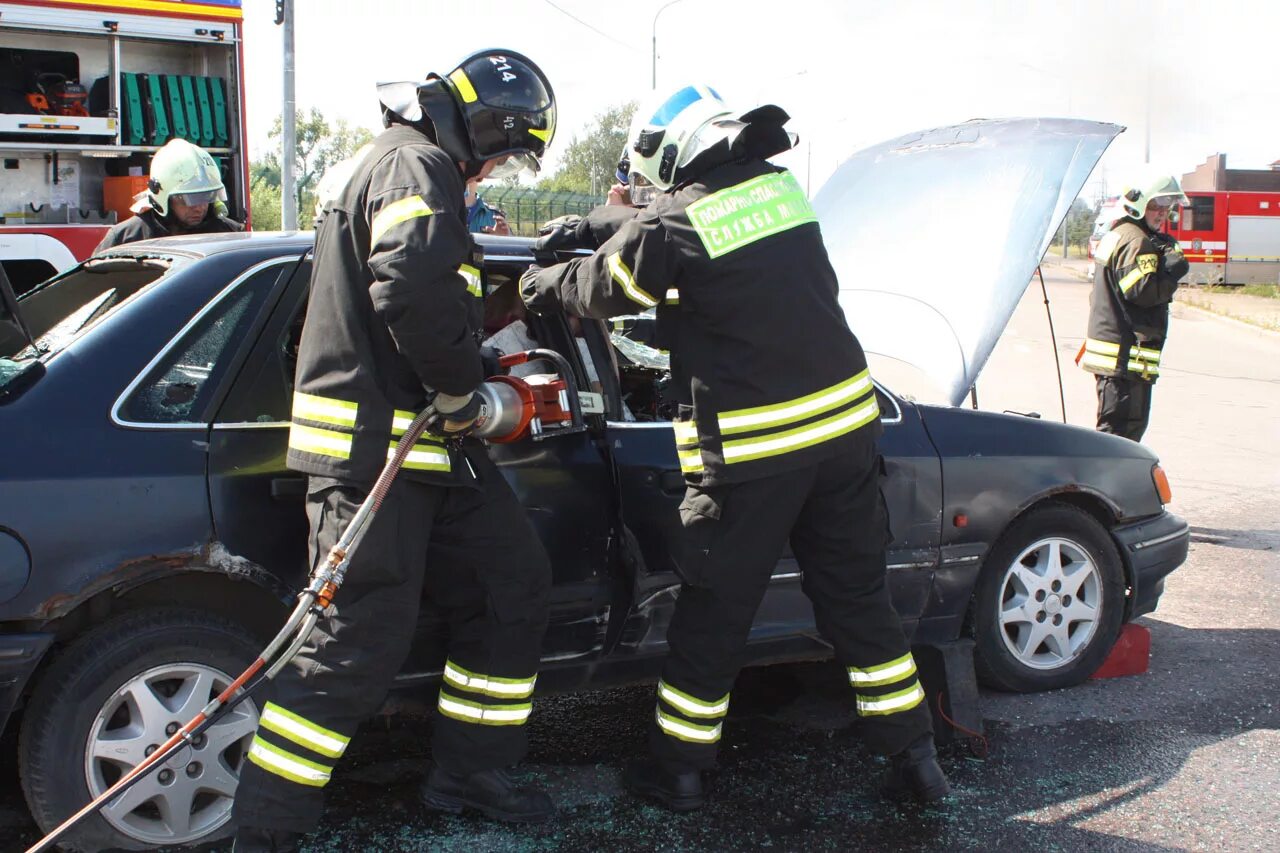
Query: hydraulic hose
x,y
312,602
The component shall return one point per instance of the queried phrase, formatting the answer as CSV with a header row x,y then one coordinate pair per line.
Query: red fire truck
x,y
89,90
1230,237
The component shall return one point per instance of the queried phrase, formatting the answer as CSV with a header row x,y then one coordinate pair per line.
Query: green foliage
x,y
589,163
1269,291
264,198
320,144
1078,225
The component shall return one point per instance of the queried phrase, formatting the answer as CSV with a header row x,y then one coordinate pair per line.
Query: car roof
x,y
290,242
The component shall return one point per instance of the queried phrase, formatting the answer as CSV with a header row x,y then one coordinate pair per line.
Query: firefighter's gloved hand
x,y
1175,263
540,292
457,414
563,232
490,358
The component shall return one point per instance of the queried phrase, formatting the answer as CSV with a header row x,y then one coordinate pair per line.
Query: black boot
x,y
250,839
680,791
490,792
914,772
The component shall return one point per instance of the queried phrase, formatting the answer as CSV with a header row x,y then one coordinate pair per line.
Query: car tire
x,y
119,688
1049,602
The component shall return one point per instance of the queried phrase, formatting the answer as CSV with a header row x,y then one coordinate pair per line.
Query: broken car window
x,y
179,389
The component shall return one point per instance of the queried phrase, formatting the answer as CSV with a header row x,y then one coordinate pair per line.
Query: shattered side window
x,y
179,389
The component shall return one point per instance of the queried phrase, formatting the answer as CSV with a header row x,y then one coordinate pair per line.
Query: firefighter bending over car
x,y
776,434
392,325
184,195
1137,270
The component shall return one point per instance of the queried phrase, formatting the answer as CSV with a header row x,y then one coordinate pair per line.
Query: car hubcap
x,y
191,794
1049,603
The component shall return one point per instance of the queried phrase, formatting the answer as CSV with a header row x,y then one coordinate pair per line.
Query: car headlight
x,y
1161,480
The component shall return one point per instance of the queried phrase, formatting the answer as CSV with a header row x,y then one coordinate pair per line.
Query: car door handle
x,y
671,482
287,488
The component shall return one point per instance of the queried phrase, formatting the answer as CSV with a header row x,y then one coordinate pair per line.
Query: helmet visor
x,y
514,165
642,190
195,199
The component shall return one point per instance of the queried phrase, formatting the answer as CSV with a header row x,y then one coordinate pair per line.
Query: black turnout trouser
x,y
834,517
476,557
1124,406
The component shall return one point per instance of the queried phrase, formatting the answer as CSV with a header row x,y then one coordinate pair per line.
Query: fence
x,y
527,208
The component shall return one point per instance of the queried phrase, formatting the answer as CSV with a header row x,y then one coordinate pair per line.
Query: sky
x,y
1189,79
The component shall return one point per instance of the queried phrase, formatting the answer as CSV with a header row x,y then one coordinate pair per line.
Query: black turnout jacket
x,y
746,298
393,314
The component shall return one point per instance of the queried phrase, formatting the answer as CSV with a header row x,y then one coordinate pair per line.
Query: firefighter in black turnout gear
x,y
185,195
776,435
1137,271
391,325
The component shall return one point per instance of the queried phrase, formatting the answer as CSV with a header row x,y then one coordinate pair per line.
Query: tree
x,y
1078,225
589,163
320,145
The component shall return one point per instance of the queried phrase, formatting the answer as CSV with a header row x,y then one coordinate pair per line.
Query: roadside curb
x,y
1244,324
1070,269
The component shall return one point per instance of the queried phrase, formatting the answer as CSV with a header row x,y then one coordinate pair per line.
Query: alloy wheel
x,y
1050,601
192,792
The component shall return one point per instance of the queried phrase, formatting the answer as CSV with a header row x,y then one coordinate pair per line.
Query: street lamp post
x,y
655,40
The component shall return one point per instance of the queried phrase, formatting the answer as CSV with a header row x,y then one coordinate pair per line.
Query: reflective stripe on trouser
x,y
890,687
831,513
485,700
474,555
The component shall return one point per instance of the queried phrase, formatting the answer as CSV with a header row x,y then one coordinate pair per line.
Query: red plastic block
x,y
1131,654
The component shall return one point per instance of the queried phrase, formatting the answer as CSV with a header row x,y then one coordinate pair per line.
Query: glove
x,y
1176,266
489,357
457,415
559,233
540,292
1175,263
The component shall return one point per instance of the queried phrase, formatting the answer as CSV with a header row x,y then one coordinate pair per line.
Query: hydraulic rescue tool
x,y
511,409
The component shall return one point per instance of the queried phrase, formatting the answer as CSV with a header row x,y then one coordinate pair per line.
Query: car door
x,y
651,487
561,479
257,503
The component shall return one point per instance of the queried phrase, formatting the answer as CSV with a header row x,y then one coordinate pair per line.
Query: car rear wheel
x,y
110,699
1049,602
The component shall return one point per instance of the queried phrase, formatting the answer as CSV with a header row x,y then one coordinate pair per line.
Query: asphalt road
x,y
1186,756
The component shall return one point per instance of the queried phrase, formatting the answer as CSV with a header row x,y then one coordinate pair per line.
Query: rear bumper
x,y
19,655
1152,548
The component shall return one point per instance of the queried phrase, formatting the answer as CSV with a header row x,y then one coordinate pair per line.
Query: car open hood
x,y
935,235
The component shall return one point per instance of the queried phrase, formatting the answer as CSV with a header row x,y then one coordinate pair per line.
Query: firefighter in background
x,y
1137,269
392,324
776,433
184,195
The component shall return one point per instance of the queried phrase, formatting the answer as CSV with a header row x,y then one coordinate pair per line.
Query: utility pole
x,y
288,188
655,40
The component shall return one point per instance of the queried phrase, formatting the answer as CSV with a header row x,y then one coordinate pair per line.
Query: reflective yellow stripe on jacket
x,y
328,428
398,211
1105,355
471,276
428,453
847,405
687,450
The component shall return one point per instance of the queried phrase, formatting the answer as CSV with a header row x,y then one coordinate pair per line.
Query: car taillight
x,y
1162,484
